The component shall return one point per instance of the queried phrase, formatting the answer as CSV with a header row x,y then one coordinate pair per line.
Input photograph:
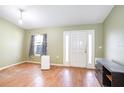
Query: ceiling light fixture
x,y
20,21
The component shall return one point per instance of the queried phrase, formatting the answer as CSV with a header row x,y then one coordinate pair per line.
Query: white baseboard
x,y
1,68
91,68
69,66
53,64
10,65
36,62
57,64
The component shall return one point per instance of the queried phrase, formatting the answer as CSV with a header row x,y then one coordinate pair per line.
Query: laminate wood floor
x,y
30,75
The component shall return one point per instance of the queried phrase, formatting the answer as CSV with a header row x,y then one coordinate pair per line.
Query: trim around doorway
x,y
93,48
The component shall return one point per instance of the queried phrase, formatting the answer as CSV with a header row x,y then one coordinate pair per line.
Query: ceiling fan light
x,y
20,16
20,21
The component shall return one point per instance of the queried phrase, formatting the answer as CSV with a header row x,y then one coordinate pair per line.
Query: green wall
x,y
55,40
114,35
11,43
14,42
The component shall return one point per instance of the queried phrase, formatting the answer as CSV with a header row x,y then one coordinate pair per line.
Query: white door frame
x,y
93,54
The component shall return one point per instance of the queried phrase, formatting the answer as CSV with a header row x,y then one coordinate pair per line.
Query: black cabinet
x,y
99,72
110,73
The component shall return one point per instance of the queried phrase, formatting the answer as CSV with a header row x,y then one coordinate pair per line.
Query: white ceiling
x,y
37,16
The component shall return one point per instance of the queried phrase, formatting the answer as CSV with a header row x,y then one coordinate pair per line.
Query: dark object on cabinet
x,y
109,73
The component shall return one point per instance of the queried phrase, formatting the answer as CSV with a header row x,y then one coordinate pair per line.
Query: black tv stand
x,y
109,73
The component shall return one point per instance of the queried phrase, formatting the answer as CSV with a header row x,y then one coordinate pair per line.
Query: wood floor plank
x,y
30,75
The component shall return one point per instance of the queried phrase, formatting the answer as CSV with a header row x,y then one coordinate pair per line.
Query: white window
x,y
38,44
90,47
66,40
67,48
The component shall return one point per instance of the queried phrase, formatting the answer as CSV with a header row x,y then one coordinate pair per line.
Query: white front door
x,y
78,48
